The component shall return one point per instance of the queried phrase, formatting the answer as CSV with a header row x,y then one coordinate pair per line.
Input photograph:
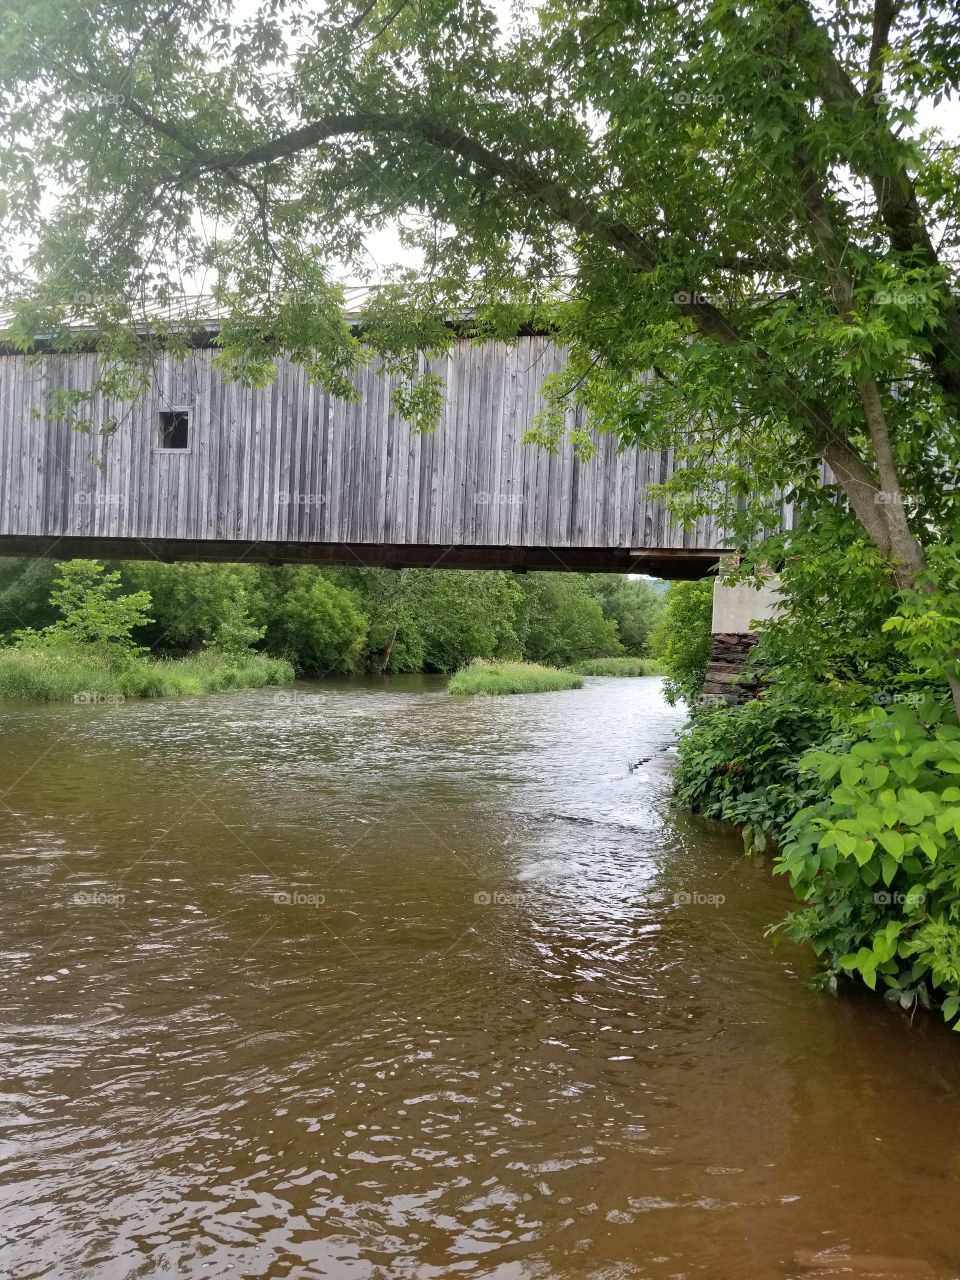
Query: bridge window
x,y
174,429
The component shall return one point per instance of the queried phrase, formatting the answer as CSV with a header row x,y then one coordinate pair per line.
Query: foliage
x,y
876,860
681,638
633,604
821,326
83,673
835,597
511,677
316,624
25,587
464,615
189,601
411,619
927,622
388,599
619,667
92,611
236,633
434,619
739,763
561,621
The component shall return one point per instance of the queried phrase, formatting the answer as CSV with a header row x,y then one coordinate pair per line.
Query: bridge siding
x,y
290,464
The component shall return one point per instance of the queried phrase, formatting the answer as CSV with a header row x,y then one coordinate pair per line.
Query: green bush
x,y
464,614
876,859
620,667
835,595
512,677
740,764
314,623
681,638
634,604
25,594
189,602
93,612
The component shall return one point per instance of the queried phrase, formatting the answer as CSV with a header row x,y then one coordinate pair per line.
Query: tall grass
x,y
620,667
512,677
82,673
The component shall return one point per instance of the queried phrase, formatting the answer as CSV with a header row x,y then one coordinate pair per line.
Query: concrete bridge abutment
x,y
735,609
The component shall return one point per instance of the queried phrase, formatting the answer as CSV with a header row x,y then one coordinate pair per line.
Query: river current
x,y
355,979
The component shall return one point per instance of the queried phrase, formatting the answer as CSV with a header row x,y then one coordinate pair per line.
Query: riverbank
x,y
620,667
82,674
859,807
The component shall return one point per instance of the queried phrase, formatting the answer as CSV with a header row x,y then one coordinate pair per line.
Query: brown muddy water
x,y
359,980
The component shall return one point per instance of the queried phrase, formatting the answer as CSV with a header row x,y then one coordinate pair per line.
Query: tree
x,y
92,609
728,214
190,601
25,594
632,603
562,622
313,622
682,638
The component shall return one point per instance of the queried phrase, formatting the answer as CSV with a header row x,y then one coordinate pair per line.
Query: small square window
x,y
174,429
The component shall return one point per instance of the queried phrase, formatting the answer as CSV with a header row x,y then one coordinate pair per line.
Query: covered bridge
x,y
205,469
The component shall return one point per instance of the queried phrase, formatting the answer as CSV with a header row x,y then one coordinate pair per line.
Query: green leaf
x,y
893,842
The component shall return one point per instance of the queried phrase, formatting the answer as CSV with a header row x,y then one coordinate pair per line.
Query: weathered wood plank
x,y
288,464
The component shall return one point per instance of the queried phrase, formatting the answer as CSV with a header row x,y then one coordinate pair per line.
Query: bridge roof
x,y
198,313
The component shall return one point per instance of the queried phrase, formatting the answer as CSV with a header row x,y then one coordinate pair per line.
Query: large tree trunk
x,y
881,510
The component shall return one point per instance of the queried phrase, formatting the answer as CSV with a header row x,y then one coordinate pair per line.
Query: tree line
x,y
360,619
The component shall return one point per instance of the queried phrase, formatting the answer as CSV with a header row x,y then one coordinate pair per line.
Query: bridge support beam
x,y
734,610
664,562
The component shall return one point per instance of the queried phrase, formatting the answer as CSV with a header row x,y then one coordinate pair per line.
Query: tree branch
x,y
580,216
884,12
893,188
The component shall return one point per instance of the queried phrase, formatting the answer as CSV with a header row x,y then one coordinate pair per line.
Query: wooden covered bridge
x,y
205,469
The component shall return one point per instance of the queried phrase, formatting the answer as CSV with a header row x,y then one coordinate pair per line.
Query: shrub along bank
x,y
848,766
65,672
331,621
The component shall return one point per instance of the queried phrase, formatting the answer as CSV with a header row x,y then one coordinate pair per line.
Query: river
x,y
355,979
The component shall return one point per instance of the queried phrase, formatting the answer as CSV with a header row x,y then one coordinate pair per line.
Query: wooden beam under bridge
x,y
664,562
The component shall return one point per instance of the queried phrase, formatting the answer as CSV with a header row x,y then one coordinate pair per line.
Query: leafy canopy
x,y
728,213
